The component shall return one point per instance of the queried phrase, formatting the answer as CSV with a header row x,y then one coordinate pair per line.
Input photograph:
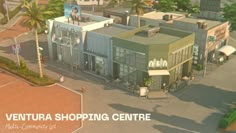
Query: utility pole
x,y
205,64
17,52
6,7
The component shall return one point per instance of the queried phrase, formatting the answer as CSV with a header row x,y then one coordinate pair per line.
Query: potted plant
x,y
148,81
98,69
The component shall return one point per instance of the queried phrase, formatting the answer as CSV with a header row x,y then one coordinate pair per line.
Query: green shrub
x,y
23,65
228,118
199,67
24,72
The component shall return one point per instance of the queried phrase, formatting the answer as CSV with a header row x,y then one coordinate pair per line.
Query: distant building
x,y
210,9
155,18
90,5
209,36
120,15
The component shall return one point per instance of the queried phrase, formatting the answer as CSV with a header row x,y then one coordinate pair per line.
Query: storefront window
x,y
140,60
100,66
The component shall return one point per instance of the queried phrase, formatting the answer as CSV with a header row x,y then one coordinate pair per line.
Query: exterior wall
x,y
211,15
130,65
62,29
134,21
190,27
221,34
201,36
100,45
158,52
123,16
180,57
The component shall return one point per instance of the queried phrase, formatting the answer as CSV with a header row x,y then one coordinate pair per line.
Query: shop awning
x,y
158,72
227,50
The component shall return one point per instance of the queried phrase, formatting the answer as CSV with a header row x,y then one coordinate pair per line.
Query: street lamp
x,y
16,49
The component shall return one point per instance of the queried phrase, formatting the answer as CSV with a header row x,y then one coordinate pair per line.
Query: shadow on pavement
x,y
208,96
173,120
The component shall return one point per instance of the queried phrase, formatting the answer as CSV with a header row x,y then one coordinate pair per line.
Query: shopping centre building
x,y
67,38
163,54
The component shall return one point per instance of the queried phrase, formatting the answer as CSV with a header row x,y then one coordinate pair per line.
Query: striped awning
x,y
227,50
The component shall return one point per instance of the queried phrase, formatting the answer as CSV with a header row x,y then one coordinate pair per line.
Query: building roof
x,y
159,15
210,23
111,30
161,37
90,19
158,38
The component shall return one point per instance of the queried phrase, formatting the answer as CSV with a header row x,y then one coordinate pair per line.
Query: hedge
x,y
24,72
228,118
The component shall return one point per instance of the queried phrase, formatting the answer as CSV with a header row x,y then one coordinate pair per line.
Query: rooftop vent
x,y
204,25
167,17
151,32
201,24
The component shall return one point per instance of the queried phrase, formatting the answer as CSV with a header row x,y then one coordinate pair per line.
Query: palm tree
x,y
138,6
34,19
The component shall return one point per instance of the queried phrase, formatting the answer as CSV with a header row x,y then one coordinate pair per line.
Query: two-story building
x,y
210,36
163,54
66,39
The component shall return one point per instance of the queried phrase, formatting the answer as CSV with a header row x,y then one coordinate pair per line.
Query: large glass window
x,y
130,58
140,60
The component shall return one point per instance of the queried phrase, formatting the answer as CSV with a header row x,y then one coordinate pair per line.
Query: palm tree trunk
x,y
138,17
38,54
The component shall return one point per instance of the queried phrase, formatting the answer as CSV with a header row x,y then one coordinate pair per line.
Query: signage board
x,y
158,63
71,10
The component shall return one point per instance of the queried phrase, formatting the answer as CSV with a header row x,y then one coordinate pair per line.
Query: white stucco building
x,y
66,38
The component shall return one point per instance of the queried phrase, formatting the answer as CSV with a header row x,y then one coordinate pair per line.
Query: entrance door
x,y
116,70
156,83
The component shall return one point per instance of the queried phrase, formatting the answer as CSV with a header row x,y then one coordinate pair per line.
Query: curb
x,y
76,130
21,78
